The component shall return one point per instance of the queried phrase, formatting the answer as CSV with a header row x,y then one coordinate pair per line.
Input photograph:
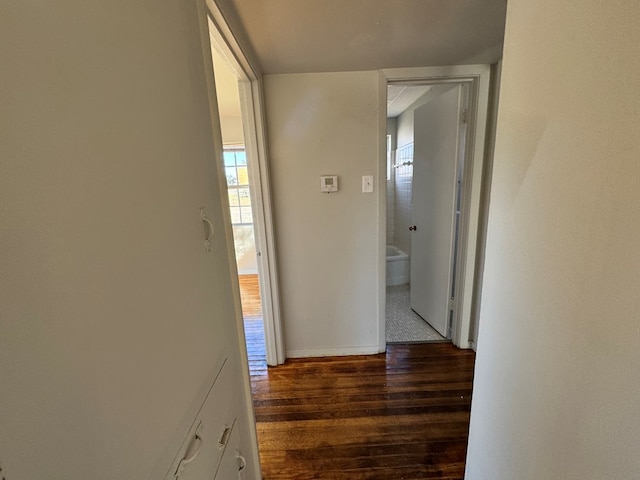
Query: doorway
x,y
432,208
426,139
243,166
241,207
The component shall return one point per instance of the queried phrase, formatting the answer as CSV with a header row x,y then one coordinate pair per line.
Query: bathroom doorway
x,y
436,119
427,126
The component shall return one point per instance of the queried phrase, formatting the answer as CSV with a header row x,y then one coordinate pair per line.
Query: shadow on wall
x,y
245,247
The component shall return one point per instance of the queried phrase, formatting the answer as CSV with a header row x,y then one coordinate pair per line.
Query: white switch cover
x,y
367,184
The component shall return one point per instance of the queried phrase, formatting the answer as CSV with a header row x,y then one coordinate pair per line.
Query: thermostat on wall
x,y
329,183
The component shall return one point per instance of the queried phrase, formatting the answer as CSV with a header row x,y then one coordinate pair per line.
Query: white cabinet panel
x,y
202,450
233,463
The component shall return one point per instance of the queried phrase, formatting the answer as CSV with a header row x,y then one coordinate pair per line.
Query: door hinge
x,y
464,115
452,304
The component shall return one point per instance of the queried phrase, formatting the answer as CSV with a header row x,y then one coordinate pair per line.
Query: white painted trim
x,y
270,235
485,195
333,352
251,100
479,103
382,213
229,43
259,183
478,77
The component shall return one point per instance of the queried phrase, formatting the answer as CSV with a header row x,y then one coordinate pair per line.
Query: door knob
x,y
413,228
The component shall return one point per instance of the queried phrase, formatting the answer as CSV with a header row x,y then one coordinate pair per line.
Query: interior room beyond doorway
x,y
241,207
409,275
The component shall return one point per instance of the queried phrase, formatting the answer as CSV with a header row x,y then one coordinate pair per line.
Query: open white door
x,y
435,160
223,41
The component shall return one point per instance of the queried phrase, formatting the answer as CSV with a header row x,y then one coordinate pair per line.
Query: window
x,y
404,161
235,166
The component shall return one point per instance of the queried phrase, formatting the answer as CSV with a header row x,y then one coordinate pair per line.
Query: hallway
x,y
403,414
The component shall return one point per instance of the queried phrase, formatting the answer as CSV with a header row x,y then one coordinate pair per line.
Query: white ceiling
x,y
296,36
401,97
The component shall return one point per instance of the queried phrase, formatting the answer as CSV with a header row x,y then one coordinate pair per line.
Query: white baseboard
x,y
399,280
333,352
248,271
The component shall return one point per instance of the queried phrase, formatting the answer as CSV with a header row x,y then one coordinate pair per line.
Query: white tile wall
x,y
402,198
391,202
390,212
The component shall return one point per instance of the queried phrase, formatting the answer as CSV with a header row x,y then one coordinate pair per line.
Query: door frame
x,y
468,281
253,120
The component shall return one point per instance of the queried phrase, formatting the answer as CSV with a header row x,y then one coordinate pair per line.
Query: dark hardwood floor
x,y
399,415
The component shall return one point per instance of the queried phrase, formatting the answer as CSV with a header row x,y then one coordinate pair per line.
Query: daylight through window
x,y
235,166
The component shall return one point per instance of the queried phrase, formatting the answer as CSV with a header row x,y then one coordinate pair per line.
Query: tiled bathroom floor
x,y
403,324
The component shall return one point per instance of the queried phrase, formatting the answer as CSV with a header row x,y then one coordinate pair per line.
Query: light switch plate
x,y
367,184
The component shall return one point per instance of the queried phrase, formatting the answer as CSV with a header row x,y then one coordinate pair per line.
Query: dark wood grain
x,y
399,415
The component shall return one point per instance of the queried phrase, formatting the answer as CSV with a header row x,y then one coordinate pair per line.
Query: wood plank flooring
x,y
254,337
253,323
399,415
250,296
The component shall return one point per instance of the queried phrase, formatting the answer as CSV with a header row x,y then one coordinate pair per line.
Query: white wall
x,y
557,373
392,130
113,316
405,119
232,133
325,124
231,127
404,125
228,99
403,182
403,198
